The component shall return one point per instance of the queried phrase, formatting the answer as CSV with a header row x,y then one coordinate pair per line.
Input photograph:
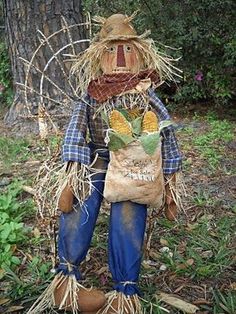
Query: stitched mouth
x,y
123,70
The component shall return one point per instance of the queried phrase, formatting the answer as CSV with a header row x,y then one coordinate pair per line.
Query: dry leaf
x,y
207,254
154,255
164,242
190,262
179,288
163,267
14,308
178,303
190,227
4,301
207,217
29,189
202,301
146,265
233,286
2,273
36,232
182,247
181,266
164,249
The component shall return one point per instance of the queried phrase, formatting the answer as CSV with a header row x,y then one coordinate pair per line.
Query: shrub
x,y
205,32
6,91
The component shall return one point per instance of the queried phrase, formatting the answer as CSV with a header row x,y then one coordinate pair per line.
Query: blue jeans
x,y
126,235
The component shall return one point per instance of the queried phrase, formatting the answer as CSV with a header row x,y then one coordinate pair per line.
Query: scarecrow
x,y
119,144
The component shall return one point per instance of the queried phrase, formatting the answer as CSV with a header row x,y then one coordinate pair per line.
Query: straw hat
x,y
117,26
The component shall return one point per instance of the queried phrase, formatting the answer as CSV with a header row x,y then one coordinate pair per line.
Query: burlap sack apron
x,y
135,176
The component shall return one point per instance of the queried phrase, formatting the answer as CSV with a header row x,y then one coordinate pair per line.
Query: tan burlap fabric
x,y
135,176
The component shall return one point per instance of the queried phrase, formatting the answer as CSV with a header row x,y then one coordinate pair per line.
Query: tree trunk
x,y
23,19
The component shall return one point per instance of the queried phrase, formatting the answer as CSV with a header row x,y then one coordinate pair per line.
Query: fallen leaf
x,y
146,265
190,262
214,234
29,189
14,308
88,257
207,254
164,242
190,227
4,301
182,247
178,303
2,273
179,288
154,255
164,249
181,266
207,217
202,301
233,286
36,233
163,267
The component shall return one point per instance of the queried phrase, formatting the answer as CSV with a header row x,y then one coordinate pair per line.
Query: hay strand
x,y
46,300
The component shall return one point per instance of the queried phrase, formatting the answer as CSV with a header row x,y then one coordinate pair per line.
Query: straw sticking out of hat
x,y
118,27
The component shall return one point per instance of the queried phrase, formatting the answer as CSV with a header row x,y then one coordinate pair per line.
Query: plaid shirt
x,y
75,147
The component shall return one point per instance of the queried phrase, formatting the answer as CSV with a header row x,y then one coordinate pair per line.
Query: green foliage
x,y
224,302
205,32
118,141
12,229
13,150
6,91
209,144
29,290
150,142
209,250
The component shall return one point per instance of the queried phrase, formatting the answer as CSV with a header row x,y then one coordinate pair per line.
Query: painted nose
x,y
120,60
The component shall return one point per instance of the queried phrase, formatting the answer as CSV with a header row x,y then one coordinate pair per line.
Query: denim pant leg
x,y
76,229
126,236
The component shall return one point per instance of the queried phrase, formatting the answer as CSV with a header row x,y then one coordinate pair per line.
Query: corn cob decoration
x,y
150,122
119,124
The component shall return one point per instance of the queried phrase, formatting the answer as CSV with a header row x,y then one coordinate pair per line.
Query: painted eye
x,y
128,48
111,49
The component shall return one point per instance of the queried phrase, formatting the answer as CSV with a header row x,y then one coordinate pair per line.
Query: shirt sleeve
x,y
74,146
171,156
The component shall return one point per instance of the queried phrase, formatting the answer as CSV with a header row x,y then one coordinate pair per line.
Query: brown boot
x,y
85,300
171,211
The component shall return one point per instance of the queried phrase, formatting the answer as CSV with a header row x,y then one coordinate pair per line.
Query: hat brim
x,y
124,37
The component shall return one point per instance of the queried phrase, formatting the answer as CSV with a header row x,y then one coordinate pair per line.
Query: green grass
x,y
211,143
207,256
17,150
13,150
202,198
224,302
16,241
23,265
208,252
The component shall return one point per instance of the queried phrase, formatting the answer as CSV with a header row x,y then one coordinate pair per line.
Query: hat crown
x,y
117,25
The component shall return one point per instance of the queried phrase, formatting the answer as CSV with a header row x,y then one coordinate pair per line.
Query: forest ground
x,y
193,259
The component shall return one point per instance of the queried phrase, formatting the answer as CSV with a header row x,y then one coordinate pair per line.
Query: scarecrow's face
x,y
121,57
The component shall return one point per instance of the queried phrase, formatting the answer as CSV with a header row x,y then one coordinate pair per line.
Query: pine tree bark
x,y
22,20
